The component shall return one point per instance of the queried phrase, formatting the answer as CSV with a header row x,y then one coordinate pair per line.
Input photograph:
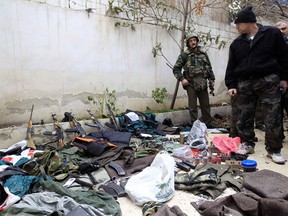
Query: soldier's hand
x,y
185,82
232,92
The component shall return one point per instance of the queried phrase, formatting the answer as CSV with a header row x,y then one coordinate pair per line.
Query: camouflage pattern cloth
x,y
197,68
235,112
233,116
267,90
208,179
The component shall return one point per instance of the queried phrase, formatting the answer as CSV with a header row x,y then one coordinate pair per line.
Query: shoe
x,y
245,149
276,158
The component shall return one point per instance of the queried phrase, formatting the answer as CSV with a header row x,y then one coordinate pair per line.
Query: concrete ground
x,y
183,199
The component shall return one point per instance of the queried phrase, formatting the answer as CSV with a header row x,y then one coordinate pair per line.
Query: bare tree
x,y
173,15
272,10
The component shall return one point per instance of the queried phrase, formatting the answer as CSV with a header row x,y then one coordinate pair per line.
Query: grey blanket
x,y
265,194
267,184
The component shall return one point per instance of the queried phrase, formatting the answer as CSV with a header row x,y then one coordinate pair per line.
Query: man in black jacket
x,y
283,26
257,69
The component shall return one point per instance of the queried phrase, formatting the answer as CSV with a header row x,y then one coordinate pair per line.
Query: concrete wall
x,y
54,54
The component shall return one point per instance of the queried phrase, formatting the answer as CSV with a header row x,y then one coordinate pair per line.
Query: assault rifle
x,y
77,126
95,120
211,86
58,132
112,117
30,143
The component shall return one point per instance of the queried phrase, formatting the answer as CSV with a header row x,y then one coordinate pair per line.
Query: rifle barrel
x,y
31,112
112,116
30,143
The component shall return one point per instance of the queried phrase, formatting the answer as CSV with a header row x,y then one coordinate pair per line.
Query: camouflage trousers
x,y
267,91
235,113
203,98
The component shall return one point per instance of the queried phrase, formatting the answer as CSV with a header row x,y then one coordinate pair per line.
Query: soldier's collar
x,y
195,50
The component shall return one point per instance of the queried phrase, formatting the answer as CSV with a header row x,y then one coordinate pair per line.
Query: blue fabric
x,y
2,162
19,185
21,162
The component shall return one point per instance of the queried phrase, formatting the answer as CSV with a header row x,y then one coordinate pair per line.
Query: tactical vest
x,y
195,69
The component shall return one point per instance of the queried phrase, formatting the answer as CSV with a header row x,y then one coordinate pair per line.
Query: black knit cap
x,y
245,15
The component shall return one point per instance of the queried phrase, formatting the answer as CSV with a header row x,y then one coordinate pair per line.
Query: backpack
x,y
50,163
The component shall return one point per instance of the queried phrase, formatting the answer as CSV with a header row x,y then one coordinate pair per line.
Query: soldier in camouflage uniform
x,y
257,68
197,70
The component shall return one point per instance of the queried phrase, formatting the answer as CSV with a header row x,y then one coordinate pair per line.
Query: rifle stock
x,y
77,125
59,132
30,143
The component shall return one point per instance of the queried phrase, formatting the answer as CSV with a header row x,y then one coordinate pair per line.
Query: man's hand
x,y
283,85
232,92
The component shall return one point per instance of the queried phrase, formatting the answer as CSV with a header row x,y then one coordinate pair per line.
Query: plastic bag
x,y
226,144
155,183
183,153
197,138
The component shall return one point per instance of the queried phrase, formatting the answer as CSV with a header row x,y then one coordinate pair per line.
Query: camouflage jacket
x,y
195,63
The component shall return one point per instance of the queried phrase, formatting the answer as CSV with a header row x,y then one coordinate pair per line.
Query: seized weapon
x,y
112,117
58,132
96,121
75,179
77,126
30,143
211,87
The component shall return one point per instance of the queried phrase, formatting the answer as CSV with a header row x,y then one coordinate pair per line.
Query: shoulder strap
x,y
184,56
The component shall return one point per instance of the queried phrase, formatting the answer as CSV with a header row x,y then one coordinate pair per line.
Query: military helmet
x,y
191,36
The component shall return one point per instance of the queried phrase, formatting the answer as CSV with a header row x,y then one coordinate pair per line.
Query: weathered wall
x,y
54,54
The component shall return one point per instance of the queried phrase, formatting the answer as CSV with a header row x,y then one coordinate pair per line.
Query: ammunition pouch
x,y
199,83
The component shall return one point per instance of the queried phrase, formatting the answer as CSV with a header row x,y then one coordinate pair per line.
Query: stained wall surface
x,y
54,54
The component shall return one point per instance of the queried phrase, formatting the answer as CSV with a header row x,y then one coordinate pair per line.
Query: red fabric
x,y
226,144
